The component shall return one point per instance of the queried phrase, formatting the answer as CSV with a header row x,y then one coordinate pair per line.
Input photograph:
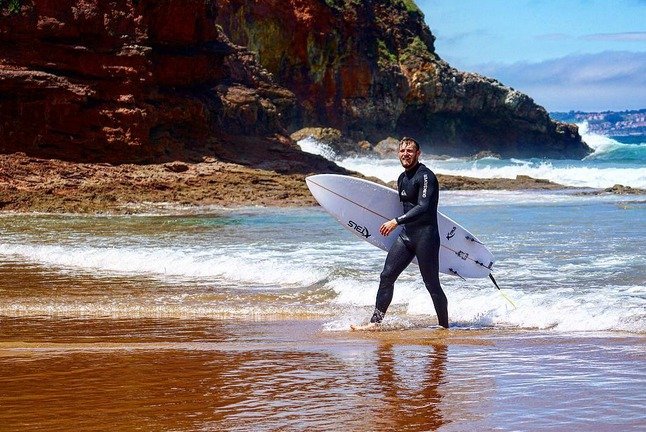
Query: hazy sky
x,y
587,55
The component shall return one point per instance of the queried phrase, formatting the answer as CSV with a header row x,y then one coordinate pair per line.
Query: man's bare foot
x,y
364,327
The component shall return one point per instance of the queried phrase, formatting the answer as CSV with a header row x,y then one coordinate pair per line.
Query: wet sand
x,y
61,374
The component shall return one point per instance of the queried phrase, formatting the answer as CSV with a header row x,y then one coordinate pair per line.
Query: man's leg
x,y
398,258
429,266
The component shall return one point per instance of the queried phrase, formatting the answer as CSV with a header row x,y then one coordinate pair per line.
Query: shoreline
x,y
29,184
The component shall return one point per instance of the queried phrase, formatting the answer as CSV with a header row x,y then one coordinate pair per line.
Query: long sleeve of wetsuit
x,y
424,199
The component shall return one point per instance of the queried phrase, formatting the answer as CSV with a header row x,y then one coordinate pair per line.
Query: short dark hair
x,y
409,140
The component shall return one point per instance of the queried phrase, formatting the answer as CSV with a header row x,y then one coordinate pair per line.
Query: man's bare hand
x,y
388,227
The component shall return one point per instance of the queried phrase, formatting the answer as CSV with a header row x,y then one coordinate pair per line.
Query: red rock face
x,y
125,81
328,53
148,81
369,68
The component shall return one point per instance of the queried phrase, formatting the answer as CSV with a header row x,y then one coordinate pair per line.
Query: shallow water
x,y
179,374
211,319
567,262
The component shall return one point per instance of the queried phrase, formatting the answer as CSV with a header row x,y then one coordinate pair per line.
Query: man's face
x,y
408,155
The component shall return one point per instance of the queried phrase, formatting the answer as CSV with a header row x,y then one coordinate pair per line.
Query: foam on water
x,y
568,263
479,304
611,163
171,264
569,173
609,149
311,145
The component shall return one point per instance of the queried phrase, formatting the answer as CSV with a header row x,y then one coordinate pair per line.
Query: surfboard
x,y
362,206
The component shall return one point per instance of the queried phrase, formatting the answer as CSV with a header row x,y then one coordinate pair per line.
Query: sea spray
x,y
611,163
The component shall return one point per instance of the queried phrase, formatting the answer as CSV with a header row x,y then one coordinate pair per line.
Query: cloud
x,y
607,80
596,37
463,37
553,37
617,67
617,37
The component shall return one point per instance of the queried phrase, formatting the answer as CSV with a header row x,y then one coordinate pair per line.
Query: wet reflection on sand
x,y
193,375
95,378
411,385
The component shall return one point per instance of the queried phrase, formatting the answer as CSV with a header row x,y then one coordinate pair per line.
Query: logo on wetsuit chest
x,y
425,185
360,229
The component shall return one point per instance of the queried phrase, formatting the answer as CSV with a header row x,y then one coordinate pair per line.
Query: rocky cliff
x,y
369,68
151,81
137,81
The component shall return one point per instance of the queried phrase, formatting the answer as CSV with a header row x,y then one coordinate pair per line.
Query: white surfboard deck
x,y
362,206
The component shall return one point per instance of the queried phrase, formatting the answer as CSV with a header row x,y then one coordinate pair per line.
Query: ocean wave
x,y
611,163
311,145
585,174
301,287
478,304
234,267
611,150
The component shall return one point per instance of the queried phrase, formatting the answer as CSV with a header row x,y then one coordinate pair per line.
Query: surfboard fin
x,y
500,291
457,274
494,280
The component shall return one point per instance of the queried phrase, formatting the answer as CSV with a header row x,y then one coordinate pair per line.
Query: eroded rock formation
x,y
150,81
370,69
138,81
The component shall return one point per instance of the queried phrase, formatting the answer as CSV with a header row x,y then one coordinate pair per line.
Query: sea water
x,y
614,160
567,262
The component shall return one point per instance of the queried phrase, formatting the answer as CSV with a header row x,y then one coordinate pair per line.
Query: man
x,y
418,191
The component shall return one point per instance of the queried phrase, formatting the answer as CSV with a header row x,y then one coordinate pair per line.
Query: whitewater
x,y
570,262
612,162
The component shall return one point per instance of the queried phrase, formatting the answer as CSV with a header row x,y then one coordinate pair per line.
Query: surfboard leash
x,y
500,291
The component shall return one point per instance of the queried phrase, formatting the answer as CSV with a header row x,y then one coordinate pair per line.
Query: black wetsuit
x,y
418,192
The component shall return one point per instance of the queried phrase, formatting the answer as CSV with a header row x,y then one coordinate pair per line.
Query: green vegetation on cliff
x,y
410,6
386,56
342,4
416,49
13,6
